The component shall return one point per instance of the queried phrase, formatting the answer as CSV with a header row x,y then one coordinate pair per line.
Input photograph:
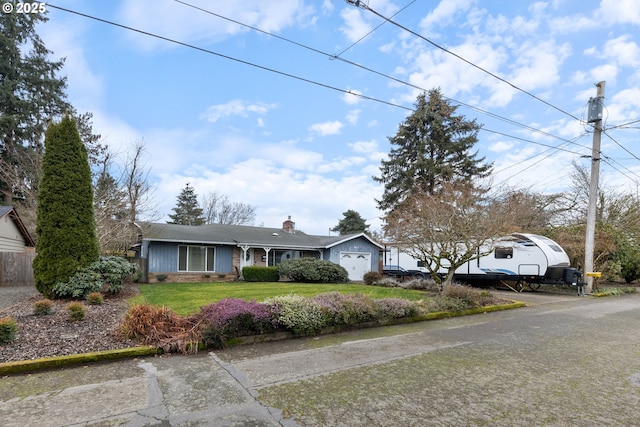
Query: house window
x,y
196,258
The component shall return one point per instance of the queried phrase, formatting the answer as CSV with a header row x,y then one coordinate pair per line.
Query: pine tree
x,y
187,211
31,95
352,223
432,146
66,226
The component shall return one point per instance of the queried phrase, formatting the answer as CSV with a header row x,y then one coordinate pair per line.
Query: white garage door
x,y
356,264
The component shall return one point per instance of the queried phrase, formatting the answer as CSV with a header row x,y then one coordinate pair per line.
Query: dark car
x,y
397,271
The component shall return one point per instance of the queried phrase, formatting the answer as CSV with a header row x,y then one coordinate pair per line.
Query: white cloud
x,y
186,24
370,148
236,107
355,26
326,128
619,12
351,97
363,146
501,146
444,13
353,116
85,86
622,50
314,202
538,64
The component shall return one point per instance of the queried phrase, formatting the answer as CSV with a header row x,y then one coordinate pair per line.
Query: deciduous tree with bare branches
x,y
218,209
446,229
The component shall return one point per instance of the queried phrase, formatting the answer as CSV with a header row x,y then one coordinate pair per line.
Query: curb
x,y
23,366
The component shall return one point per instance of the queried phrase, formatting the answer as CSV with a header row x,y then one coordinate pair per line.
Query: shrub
x,y
346,309
260,274
162,328
8,328
444,303
395,308
313,270
463,293
232,317
371,278
79,285
161,277
300,315
42,307
77,311
113,271
95,298
108,270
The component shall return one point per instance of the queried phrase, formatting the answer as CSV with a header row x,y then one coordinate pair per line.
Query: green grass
x,y
187,298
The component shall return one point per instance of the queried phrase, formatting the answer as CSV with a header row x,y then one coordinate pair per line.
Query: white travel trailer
x,y
516,260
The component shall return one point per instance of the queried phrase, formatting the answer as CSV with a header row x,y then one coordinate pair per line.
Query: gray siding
x,y
163,258
357,245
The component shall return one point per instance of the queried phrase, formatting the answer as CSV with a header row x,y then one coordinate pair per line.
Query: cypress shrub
x,y
65,225
8,328
260,274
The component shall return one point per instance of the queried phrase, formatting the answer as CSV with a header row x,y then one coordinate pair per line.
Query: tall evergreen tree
x,y
352,223
31,95
433,146
188,210
66,227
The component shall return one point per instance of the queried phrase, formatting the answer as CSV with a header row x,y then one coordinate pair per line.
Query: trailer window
x,y
504,253
556,248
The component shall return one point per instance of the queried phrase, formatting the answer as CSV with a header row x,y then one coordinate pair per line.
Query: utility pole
x,y
595,116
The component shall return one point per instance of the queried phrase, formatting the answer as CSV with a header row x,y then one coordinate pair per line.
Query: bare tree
x,y
218,209
446,229
528,212
135,179
113,229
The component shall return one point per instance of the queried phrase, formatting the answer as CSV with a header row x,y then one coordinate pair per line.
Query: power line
x,y
360,3
288,74
231,58
370,32
624,125
332,56
621,146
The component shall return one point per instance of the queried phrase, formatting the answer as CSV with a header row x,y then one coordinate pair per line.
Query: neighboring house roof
x,y
11,213
240,235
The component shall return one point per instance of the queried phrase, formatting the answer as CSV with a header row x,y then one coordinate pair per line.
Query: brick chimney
x,y
289,226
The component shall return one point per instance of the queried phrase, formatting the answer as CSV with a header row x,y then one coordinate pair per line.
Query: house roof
x,y
11,213
240,235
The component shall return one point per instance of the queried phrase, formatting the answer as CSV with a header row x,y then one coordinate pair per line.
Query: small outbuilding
x,y
17,250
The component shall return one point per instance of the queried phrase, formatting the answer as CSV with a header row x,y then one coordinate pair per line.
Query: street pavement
x,y
562,361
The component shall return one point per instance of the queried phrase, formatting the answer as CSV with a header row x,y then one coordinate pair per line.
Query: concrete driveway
x,y
564,361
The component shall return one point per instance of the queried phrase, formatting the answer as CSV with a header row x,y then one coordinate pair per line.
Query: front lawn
x,y
187,298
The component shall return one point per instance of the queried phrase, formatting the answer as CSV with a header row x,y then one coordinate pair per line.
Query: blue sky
x,y
308,148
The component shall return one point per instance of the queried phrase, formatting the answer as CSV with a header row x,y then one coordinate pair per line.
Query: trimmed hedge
x,y
260,274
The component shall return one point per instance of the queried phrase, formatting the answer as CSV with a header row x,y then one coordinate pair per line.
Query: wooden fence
x,y
16,269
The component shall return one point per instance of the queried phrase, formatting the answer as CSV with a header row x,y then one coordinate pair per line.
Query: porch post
x,y
267,250
243,260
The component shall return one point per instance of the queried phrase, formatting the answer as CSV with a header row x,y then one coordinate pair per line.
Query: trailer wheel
x,y
419,276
